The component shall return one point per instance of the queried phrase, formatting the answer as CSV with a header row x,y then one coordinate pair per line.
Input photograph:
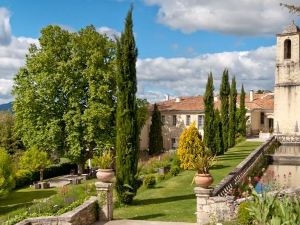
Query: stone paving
x,y
140,222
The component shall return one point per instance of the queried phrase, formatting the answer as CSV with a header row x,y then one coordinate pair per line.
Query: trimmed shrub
x,y
239,139
175,170
25,177
149,181
160,177
244,217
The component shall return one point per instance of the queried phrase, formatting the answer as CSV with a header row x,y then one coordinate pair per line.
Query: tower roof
x,y
292,28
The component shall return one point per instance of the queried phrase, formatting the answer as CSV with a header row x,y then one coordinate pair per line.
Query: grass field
x,y
174,199
22,198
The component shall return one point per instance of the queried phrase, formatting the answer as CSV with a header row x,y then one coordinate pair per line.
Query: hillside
x,y
6,106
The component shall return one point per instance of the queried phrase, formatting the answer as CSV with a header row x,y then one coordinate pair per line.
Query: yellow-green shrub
x,y
190,145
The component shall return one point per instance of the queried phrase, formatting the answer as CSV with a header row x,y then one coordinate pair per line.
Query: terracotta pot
x,y
105,175
203,180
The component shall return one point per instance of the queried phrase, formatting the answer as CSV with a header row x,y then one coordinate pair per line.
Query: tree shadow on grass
x,y
146,217
218,166
234,157
163,200
9,208
19,199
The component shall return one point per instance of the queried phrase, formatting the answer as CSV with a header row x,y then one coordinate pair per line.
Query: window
x,y
287,49
262,118
163,119
173,143
188,120
174,120
200,122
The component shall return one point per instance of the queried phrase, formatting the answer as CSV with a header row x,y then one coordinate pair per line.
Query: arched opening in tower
x,y
287,49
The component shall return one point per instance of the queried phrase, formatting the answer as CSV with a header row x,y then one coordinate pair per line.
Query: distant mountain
x,y
7,106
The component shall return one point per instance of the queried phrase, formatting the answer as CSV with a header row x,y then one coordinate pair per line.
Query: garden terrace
x,y
174,199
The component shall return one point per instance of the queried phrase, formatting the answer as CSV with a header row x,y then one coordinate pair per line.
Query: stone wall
x,y
214,209
85,214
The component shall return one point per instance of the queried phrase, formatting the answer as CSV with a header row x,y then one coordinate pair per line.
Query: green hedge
x,y
25,177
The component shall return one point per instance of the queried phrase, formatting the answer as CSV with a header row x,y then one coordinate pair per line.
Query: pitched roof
x,y
292,28
196,103
189,103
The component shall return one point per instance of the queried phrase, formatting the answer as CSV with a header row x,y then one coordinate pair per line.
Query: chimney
x,y
177,99
167,97
251,96
216,98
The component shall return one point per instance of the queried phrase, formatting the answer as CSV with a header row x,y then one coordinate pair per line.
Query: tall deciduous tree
x,y
291,8
7,181
209,132
232,114
155,134
219,147
224,95
242,114
8,138
126,124
64,96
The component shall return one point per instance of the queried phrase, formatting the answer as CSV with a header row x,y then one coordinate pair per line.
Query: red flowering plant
x,y
267,181
244,188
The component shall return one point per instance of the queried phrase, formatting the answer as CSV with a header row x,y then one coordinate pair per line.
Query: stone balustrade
x,y
241,171
288,139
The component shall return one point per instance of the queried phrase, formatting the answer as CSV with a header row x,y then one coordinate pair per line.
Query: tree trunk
x,y
80,168
41,175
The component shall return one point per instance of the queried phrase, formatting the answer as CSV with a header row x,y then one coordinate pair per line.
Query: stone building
x,y
180,112
287,81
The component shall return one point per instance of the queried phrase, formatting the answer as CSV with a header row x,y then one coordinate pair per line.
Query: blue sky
x,y
153,39
179,41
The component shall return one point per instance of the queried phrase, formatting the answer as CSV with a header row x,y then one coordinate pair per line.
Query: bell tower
x,y
287,81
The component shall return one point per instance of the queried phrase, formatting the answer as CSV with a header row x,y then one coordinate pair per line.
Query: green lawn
x,y
22,198
25,197
174,199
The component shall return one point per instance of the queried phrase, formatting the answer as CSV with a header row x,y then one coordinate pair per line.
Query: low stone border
x,y
85,214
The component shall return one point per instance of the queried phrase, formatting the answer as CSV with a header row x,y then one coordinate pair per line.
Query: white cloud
x,y
5,35
239,17
188,76
109,32
12,55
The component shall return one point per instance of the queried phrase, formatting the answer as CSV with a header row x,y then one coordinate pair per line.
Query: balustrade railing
x,y
284,139
240,172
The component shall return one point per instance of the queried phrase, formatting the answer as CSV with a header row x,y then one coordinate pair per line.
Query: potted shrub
x,y
202,162
105,173
193,155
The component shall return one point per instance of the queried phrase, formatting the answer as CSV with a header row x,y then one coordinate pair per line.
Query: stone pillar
x,y
105,198
202,195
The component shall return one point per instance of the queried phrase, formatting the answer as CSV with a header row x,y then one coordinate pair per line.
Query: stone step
x,y
140,222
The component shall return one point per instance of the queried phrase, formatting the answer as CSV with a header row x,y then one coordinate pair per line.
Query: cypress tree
x,y
127,135
242,114
155,134
232,114
209,132
218,134
224,95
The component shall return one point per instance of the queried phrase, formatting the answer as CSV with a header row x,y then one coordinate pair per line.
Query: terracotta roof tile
x,y
196,103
